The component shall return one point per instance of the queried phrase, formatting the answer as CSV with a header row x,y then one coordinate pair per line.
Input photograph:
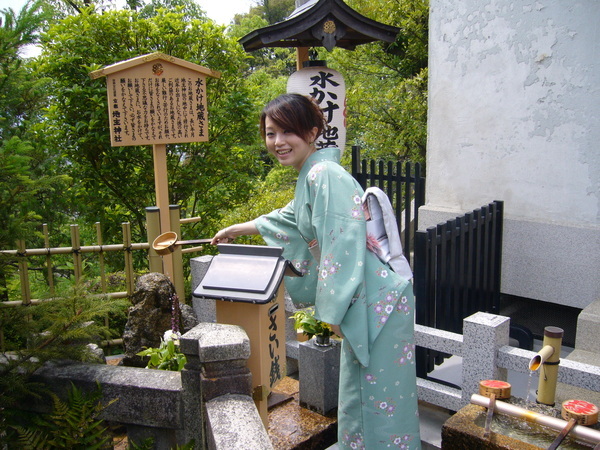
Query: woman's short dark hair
x,y
296,113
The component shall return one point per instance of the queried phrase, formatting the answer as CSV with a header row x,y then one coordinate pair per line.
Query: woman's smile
x,y
289,148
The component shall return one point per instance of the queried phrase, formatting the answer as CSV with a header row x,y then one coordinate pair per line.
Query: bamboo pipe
x,y
579,431
548,359
541,357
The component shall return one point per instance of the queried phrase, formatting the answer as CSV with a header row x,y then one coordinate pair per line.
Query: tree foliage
x,y
115,184
24,182
387,83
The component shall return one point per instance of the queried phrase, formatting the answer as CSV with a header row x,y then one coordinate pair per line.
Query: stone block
x,y
205,308
588,328
319,374
233,422
150,398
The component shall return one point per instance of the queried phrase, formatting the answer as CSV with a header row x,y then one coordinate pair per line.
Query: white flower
x,y
171,335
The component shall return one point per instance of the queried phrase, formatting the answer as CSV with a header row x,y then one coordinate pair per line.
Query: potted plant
x,y
305,321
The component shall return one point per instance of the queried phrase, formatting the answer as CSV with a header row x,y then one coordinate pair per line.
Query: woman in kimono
x,y
323,233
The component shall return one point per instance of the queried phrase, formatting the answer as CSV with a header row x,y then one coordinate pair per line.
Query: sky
x,y
221,11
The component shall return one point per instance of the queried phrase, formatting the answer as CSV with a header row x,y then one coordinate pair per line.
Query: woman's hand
x,y
228,234
223,236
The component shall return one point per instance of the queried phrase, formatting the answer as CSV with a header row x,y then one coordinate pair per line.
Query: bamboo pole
x,y
126,227
50,272
82,249
75,243
23,273
15,303
155,262
101,258
190,220
177,257
102,269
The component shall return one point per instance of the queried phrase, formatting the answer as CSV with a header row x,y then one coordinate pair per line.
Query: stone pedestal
x,y
319,374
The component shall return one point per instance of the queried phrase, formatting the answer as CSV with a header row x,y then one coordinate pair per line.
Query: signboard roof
x,y
123,65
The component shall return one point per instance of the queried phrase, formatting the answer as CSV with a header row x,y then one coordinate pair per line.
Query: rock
x,y
150,316
94,354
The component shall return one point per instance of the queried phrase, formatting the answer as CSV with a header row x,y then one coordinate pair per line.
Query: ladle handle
x,y
563,434
194,241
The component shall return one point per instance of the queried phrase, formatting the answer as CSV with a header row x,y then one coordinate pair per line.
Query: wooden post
x,y
301,56
161,185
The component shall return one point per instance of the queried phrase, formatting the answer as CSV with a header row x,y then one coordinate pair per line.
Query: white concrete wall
x,y
514,115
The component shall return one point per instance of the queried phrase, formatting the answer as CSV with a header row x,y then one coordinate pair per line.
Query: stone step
x,y
584,356
567,392
588,328
292,427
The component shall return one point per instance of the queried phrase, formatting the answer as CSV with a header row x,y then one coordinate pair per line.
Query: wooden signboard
x,y
156,99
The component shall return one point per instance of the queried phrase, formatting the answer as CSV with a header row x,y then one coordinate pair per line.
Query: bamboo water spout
x,y
548,359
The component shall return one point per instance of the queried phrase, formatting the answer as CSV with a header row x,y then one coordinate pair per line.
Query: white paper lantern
x,y
328,87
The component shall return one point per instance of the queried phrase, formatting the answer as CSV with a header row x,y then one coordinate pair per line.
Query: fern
x,y
72,424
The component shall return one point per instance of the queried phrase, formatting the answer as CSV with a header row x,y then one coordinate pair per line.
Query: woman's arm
x,y
231,232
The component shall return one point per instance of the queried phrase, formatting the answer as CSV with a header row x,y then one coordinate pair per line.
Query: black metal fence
x,y
405,188
457,273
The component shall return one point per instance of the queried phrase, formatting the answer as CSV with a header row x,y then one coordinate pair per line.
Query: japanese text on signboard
x,y
156,109
275,372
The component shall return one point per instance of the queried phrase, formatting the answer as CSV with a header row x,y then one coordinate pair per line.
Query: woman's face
x,y
289,148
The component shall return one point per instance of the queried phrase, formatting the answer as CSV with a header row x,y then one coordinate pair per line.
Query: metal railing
x,y
457,272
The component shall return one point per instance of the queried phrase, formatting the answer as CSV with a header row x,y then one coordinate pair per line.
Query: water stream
x,y
529,385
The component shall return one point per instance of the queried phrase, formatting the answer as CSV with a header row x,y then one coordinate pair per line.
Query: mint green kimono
x,y
351,287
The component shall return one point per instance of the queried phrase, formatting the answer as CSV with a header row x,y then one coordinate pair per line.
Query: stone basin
x,y
466,428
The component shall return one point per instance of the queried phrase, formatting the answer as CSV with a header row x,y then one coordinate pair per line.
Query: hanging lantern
x,y
328,88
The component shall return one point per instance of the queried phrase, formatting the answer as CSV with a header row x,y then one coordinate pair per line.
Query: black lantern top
x,y
321,23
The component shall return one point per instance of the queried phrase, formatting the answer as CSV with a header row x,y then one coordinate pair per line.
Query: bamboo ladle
x,y
167,242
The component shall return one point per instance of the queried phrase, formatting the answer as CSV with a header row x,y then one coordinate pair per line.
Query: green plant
x,y
73,423
305,321
167,356
56,329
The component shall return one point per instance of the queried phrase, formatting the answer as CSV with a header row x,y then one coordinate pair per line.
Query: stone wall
x,y
174,408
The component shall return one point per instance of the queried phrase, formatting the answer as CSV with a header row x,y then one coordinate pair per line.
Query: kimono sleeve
x,y
279,229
